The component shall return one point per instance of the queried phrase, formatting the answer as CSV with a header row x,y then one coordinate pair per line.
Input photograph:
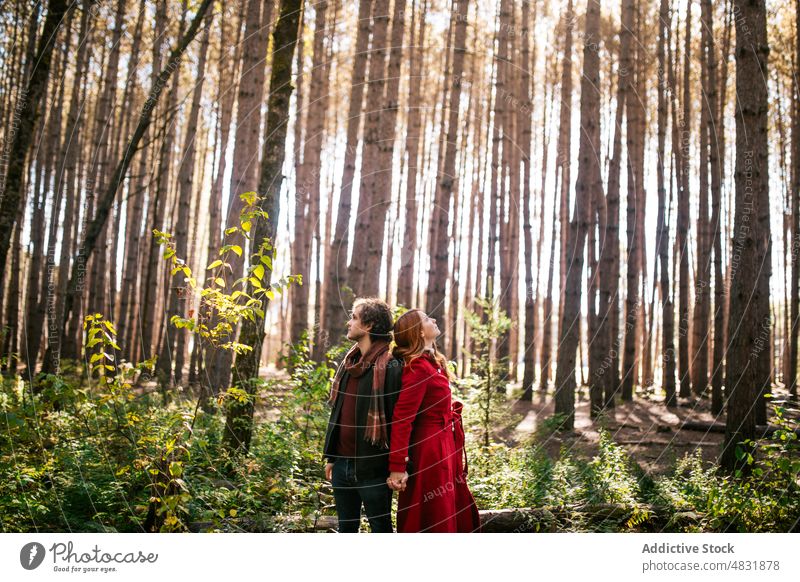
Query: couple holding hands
x,y
392,414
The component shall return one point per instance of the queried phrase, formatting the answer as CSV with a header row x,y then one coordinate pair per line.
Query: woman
x,y
427,440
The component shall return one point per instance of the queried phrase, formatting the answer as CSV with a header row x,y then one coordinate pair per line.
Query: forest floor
x,y
649,431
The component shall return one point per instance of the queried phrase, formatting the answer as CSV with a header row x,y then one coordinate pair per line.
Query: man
x,y
363,394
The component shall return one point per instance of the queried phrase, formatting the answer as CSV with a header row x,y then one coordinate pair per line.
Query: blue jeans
x,y
349,494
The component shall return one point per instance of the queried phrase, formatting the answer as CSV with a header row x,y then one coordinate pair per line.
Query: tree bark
x,y
437,274
662,235
372,176
338,286
749,318
239,421
682,237
588,187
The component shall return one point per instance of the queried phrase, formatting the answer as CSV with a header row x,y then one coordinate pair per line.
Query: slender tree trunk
x,y
588,187
239,421
245,155
408,257
372,175
718,157
564,167
662,236
226,95
525,136
613,209
791,381
749,319
563,149
703,270
437,274
634,266
338,286
174,347
682,237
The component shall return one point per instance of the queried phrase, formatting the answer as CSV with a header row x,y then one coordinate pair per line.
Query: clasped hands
x,y
397,481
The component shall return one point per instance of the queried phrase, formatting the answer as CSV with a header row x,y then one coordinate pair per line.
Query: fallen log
x,y
719,427
514,520
646,443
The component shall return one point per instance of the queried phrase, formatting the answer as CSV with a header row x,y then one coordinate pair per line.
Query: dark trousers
x,y
349,494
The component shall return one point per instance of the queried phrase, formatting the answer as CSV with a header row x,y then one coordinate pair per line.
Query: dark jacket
x,y
371,460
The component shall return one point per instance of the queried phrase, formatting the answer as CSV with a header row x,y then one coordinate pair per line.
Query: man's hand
x,y
397,481
329,471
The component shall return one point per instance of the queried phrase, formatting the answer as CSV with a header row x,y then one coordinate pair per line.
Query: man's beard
x,y
356,335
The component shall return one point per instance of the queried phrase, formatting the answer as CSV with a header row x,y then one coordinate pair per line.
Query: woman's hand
x,y
329,471
397,481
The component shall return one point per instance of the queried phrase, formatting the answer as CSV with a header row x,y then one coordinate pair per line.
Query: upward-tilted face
x,y
355,328
430,330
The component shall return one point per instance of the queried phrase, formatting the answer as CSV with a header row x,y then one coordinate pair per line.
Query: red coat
x,y
423,442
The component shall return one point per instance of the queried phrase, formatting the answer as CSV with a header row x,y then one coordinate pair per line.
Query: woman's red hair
x,y
409,344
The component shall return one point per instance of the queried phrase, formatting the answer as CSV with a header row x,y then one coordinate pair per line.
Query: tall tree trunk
x,y
372,175
239,421
245,155
437,274
633,210
749,319
338,286
153,276
703,271
312,159
791,380
718,170
563,153
564,167
174,346
226,95
525,136
309,187
405,285
662,235
612,385
134,207
588,187
682,237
